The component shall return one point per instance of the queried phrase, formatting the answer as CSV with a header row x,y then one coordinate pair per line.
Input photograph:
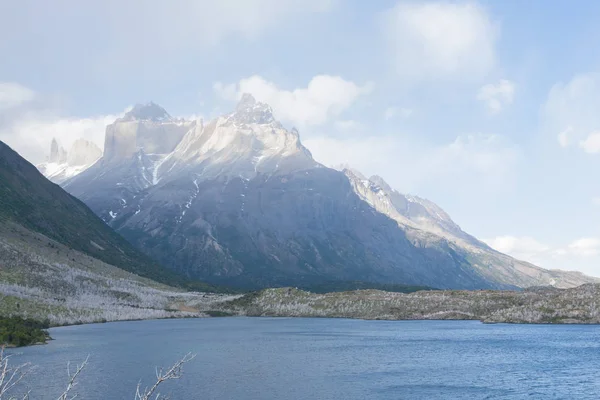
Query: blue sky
x,y
488,108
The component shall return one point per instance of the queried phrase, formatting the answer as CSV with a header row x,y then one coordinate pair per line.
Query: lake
x,y
299,359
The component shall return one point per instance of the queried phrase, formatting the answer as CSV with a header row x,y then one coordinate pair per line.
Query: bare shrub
x,y
11,376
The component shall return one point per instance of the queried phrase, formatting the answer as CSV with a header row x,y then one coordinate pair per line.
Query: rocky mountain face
x,y
58,154
29,200
239,200
423,219
62,165
60,262
148,127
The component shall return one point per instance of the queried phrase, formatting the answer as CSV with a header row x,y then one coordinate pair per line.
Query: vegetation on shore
x,y
17,331
536,305
347,286
43,279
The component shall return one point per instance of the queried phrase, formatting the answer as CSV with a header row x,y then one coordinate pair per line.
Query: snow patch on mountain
x,y
245,143
147,127
62,165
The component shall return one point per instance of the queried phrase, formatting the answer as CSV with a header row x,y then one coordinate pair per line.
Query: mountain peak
x,y
247,100
348,170
147,112
62,165
250,111
83,153
57,153
379,181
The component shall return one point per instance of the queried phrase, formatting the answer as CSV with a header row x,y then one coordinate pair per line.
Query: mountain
x,y
147,127
239,200
62,165
28,199
60,262
422,218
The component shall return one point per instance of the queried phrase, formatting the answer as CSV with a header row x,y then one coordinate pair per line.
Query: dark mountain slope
x,y
29,199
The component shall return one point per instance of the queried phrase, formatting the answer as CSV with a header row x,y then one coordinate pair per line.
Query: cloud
x,y
441,40
569,256
591,144
585,247
570,112
393,112
207,21
485,161
166,39
162,24
563,137
28,122
31,136
324,98
31,132
489,154
522,248
347,125
498,95
13,95
227,91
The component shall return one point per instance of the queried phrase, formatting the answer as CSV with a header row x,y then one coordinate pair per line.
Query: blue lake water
x,y
286,358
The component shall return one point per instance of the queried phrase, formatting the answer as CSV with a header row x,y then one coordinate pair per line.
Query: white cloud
x,y
498,95
227,91
576,255
169,38
570,112
585,247
487,161
160,26
28,123
31,133
489,154
13,95
347,125
325,97
522,248
207,21
564,137
591,144
393,112
441,39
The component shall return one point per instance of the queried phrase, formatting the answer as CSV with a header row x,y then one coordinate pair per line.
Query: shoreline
x,y
50,339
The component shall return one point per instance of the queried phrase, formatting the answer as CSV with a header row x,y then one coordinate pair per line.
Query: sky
x,y
491,109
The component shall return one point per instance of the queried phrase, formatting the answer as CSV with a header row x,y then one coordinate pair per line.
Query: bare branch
x,y
174,372
11,376
72,380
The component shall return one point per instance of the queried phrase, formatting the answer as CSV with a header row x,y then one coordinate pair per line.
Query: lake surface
x,y
299,359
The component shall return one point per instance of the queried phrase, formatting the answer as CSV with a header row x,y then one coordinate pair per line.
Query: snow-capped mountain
x,y
422,218
239,200
148,127
62,165
245,143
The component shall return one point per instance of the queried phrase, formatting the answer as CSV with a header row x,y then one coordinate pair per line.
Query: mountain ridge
x,y
28,199
60,262
429,217
240,199
62,165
